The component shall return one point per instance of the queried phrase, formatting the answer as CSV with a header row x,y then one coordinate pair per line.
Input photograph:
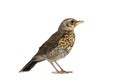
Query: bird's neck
x,y
65,31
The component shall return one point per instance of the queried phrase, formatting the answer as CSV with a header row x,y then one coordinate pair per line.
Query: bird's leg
x,y
62,71
54,68
59,66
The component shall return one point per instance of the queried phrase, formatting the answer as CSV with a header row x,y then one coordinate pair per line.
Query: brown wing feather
x,y
50,44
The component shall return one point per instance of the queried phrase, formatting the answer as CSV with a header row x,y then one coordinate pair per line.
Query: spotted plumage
x,y
56,47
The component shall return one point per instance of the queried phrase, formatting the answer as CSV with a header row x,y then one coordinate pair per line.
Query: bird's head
x,y
69,24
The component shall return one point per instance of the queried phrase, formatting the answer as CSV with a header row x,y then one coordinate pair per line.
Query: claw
x,y
62,72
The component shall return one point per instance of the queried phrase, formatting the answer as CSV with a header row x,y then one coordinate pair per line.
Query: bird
x,y
56,47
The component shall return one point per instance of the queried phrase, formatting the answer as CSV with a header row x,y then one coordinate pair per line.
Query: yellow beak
x,y
79,22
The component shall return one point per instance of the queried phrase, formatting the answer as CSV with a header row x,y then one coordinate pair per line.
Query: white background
x,y
27,24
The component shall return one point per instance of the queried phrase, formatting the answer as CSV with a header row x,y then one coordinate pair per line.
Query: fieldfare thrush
x,y
56,47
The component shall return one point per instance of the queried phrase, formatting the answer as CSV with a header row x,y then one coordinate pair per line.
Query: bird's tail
x,y
28,66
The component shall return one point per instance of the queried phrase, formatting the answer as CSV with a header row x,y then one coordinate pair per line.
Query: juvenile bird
x,y
56,47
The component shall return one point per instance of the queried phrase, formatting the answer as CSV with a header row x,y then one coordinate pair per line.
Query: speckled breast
x,y
64,46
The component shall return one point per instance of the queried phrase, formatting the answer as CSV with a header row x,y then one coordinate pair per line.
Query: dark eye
x,y
72,21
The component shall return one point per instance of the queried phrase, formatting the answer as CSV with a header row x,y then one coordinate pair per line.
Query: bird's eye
x,y
72,21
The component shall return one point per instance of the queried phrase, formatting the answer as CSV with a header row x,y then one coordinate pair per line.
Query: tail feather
x,y
28,66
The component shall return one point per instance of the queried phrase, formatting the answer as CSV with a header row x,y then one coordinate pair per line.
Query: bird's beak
x,y
79,22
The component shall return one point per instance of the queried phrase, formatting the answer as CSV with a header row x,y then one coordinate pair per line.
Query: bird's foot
x,y
62,72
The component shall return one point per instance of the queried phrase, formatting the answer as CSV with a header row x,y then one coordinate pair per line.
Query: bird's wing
x,y
50,44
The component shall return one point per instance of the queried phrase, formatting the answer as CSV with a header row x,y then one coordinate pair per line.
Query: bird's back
x,y
50,44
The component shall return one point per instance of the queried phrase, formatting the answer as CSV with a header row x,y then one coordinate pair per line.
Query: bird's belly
x,y
56,54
